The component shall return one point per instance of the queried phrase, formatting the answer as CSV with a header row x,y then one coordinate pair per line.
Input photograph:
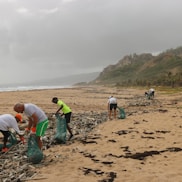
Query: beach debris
x,y
143,155
124,132
17,166
108,176
14,164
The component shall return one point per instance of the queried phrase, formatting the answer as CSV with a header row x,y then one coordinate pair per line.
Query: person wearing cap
x,y
37,119
18,117
66,112
8,121
112,105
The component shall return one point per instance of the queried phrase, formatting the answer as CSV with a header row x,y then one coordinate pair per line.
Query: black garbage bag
x,y
34,154
60,135
122,114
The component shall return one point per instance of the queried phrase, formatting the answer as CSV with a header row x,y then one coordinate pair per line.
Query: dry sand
x,y
144,147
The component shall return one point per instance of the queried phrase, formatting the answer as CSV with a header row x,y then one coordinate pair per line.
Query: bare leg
x,y
110,114
114,113
39,141
69,130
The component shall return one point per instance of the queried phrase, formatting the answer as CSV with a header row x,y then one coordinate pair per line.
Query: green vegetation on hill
x,y
145,70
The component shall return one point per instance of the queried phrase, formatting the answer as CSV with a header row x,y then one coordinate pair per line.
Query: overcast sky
x,y
52,38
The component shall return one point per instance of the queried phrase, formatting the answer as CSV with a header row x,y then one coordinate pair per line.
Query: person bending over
x,y
8,121
66,112
37,119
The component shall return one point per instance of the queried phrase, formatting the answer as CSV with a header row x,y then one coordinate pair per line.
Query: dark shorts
x,y
68,117
6,134
113,106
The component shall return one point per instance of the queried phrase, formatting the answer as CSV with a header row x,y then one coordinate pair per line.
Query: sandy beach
x,y
146,146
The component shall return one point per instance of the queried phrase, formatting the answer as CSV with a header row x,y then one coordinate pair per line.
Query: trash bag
x,y
60,135
34,153
122,114
12,140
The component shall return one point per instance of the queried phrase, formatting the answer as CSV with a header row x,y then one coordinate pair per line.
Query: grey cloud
x,y
82,35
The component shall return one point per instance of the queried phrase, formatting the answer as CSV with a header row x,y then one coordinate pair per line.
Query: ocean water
x,y
26,88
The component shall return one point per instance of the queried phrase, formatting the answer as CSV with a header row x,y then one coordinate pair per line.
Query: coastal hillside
x,y
145,69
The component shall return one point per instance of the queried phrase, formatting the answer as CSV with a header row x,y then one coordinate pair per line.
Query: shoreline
x,y
33,87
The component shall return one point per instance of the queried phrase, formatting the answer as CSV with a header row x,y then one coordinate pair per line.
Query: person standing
x,y
112,106
151,92
8,121
37,119
66,112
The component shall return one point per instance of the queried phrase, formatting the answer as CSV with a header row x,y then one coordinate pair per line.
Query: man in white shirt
x,y
112,105
8,121
151,92
37,119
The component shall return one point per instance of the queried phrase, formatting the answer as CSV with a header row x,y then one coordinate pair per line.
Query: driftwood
x,y
14,164
38,178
